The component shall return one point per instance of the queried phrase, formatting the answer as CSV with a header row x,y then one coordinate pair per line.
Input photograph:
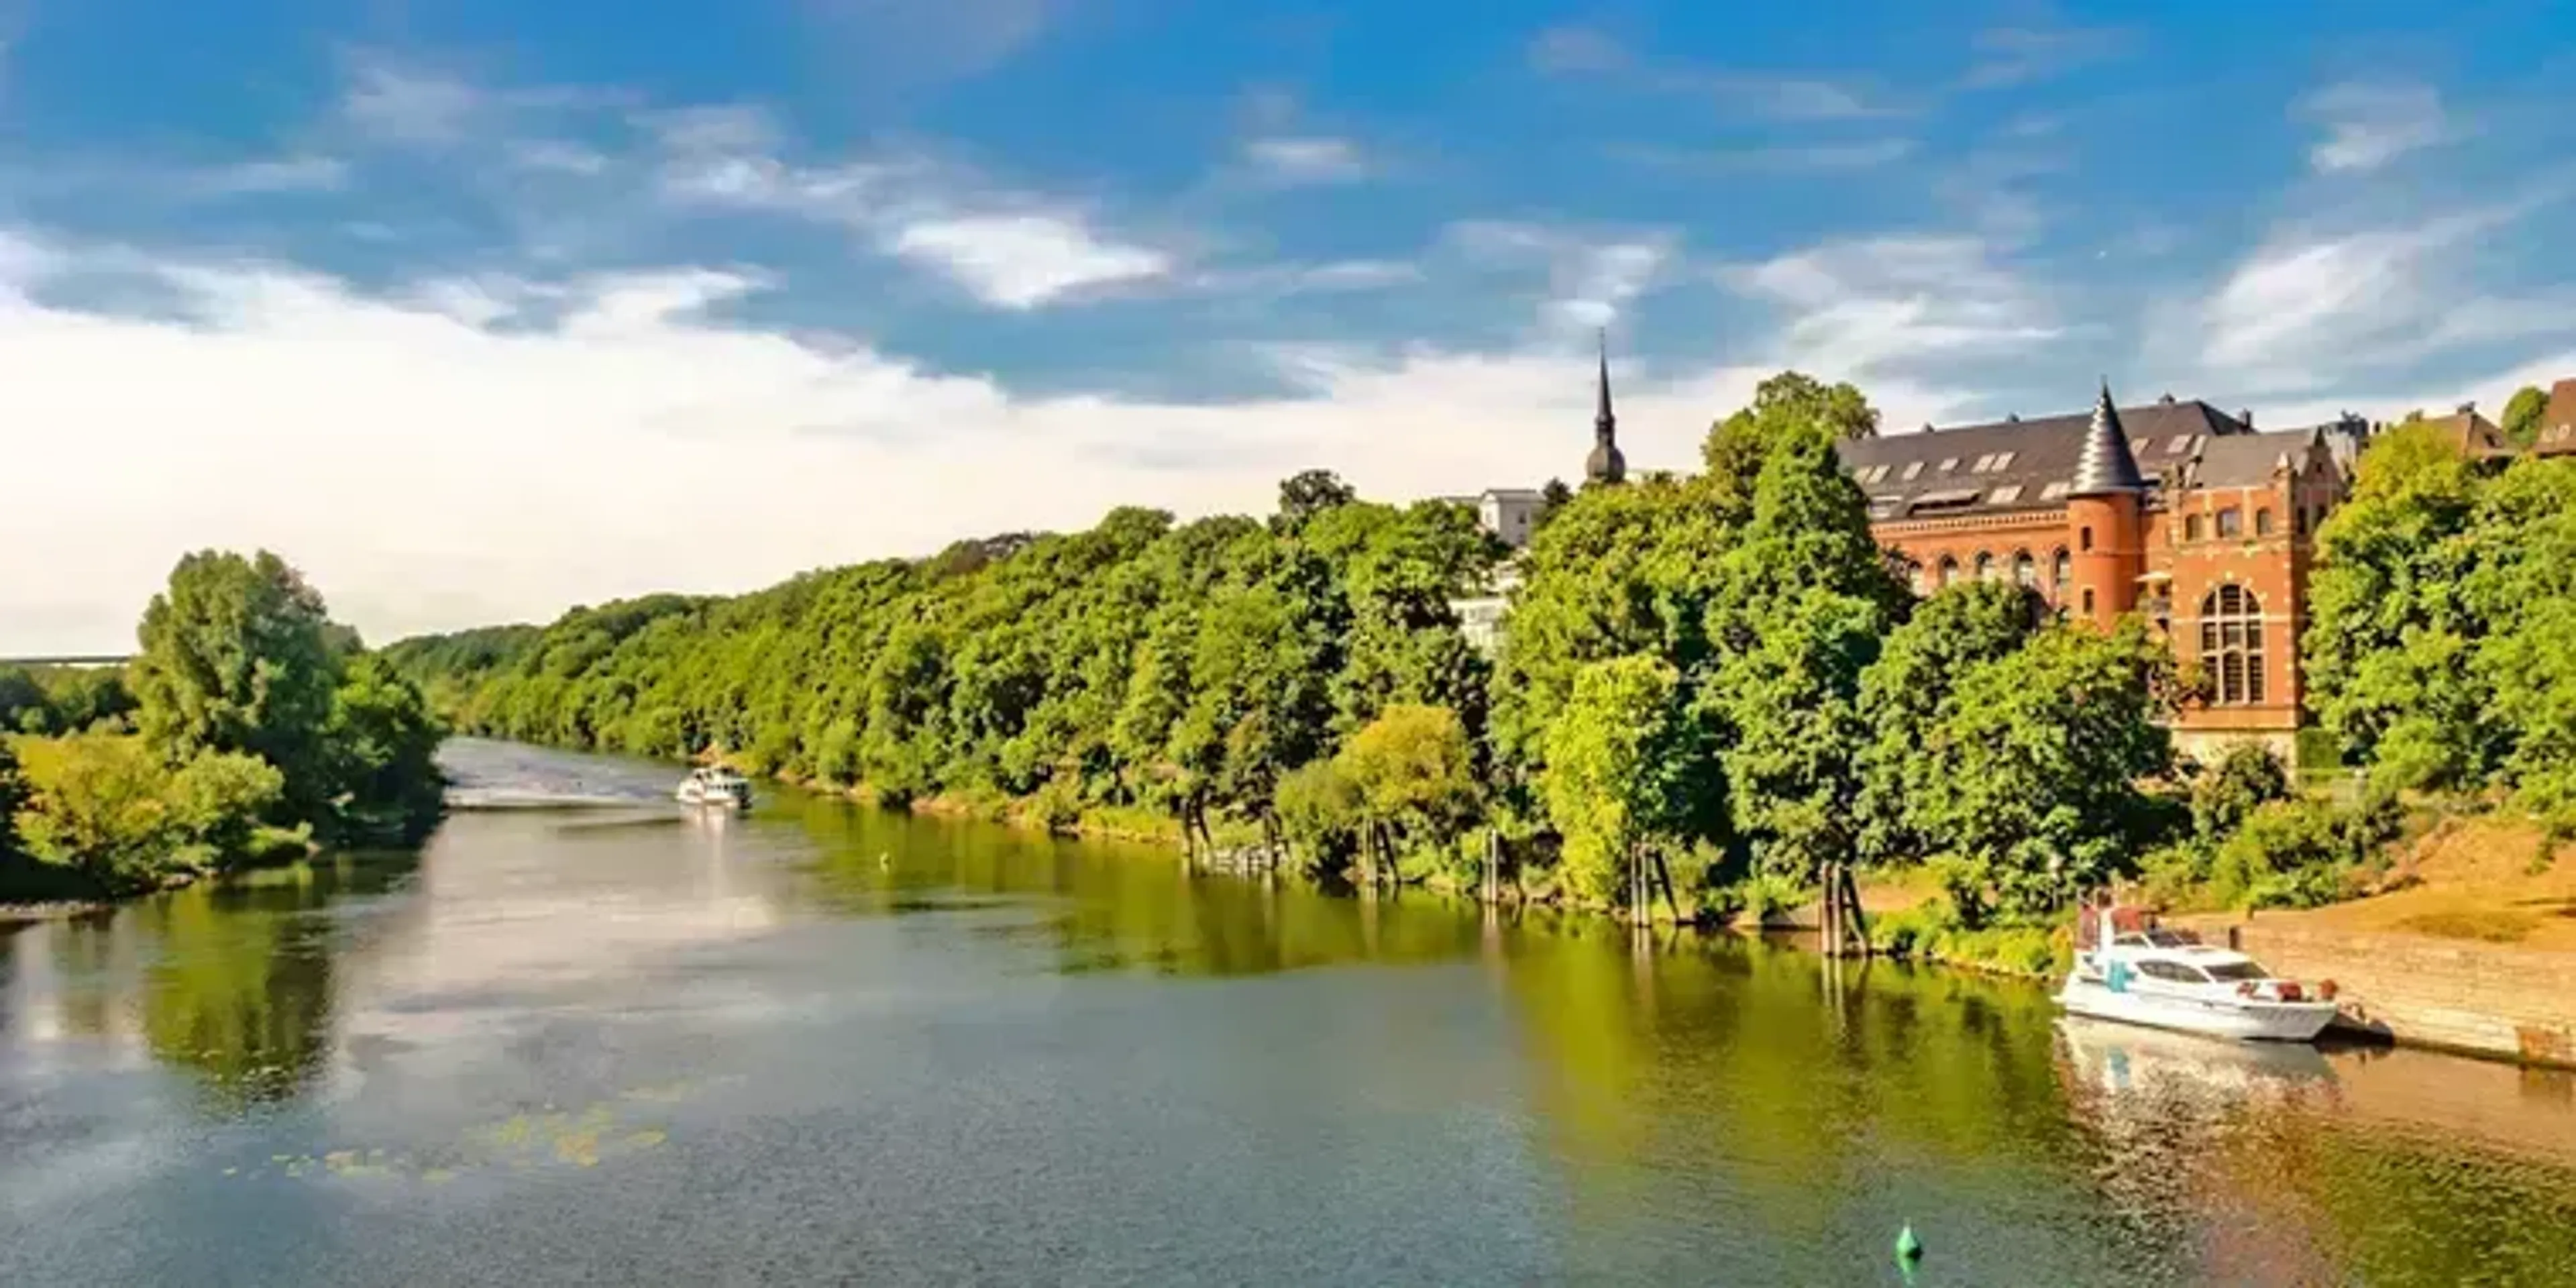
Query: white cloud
x,y
2008,56
1882,305
280,174
1010,249
1864,154
1591,278
556,156
1310,159
408,105
1796,98
1025,260
1586,51
2368,125
431,473
2310,306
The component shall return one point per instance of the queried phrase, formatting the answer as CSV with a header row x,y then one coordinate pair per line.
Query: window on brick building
x,y
2231,523
2088,601
2231,646
2084,539
2299,521
2191,527
1986,570
1949,571
2025,570
2063,573
1914,578
2262,523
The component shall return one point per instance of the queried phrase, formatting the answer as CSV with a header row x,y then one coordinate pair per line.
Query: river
x,y
821,1044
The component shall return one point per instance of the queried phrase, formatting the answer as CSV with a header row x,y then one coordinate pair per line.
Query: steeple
x,y
1605,464
2107,467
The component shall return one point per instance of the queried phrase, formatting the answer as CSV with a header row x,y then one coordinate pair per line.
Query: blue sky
x,y
480,310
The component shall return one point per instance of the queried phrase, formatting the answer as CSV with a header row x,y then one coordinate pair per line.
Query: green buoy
x,y
1908,1248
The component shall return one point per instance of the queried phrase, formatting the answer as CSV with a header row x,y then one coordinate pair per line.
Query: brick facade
x,y
2213,551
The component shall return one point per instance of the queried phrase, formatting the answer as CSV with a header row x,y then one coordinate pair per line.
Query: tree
x,y
2246,777
1907,690
24,705
2032,793
235,658
13,797
1320,813
1412,768
383,745
2522,416
1610,783
1308,493
1786,406
107,806
2389,631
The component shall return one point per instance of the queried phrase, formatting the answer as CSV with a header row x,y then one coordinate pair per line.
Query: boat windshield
x,y
2232,972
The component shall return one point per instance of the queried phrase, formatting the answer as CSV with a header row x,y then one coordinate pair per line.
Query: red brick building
x,y
2175,510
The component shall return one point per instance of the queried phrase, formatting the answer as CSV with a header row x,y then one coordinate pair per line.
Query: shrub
x,y
2246,777
105,806
2302,853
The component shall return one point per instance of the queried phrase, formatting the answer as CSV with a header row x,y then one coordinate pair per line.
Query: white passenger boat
x,y
2136,973
715,785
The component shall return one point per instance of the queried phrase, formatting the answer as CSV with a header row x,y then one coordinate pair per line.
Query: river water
x,y
624,1045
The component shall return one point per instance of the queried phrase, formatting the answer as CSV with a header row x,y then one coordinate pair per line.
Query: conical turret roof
x,y
2107,467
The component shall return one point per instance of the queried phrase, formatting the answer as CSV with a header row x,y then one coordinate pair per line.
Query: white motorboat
x,y
2141,974
715,785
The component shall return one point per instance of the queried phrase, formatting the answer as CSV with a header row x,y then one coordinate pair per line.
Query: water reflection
x,y
905,1046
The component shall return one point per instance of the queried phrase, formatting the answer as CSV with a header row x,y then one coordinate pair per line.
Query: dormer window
x,y
1949,463
1913,470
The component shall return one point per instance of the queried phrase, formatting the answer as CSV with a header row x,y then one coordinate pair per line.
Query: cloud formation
x,y
2368,125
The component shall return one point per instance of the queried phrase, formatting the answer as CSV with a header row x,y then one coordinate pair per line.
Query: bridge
x,y
71,659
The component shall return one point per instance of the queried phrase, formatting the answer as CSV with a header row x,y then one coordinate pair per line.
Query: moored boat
x,y
715,785
2132,972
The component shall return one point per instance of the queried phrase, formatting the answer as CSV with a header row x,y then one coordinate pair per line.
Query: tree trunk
x,y
1851,900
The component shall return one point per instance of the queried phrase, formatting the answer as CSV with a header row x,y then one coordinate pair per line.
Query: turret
x,y
2106,521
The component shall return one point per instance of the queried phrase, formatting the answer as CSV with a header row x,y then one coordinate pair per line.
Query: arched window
x,y
2262,523
2231,646
1914,578
1985,566
2231,523
1949,571
2062,574
2025,570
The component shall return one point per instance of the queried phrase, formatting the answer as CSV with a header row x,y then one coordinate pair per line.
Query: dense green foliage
x,y
1689,678
2441,646
62,699
106,805
2522,415
254,725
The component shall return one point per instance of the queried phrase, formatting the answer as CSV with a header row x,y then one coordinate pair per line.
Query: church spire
x,y
2107,466
1605,464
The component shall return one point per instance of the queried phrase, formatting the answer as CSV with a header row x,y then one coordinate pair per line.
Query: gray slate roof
x,y
2106,467
2029,464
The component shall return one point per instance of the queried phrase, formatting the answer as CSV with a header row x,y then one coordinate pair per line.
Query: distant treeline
x,y
1715,680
